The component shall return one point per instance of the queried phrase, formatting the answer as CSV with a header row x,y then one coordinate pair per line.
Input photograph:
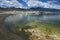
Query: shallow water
x,y
25,18
48,24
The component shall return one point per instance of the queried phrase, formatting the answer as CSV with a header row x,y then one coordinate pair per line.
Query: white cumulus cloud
x,y
48,4
30,3
12,3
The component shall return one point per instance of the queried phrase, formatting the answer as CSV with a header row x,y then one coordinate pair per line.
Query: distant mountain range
x,y
33,9
44,9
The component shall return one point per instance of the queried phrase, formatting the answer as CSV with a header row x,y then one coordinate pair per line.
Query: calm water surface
x,y
25,18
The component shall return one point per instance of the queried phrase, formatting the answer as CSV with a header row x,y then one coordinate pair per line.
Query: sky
x,y
55,4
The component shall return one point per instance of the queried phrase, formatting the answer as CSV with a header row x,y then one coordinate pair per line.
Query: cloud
x,y
30,3
29,0
25,0
12,3
48,4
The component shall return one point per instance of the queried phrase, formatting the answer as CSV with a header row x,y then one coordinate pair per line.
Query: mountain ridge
x,y
30,9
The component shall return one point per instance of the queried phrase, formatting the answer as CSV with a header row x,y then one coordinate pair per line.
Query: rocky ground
x,y
38,35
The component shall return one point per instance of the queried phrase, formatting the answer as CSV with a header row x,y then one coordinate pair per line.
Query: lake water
x,y
25,18
47,24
